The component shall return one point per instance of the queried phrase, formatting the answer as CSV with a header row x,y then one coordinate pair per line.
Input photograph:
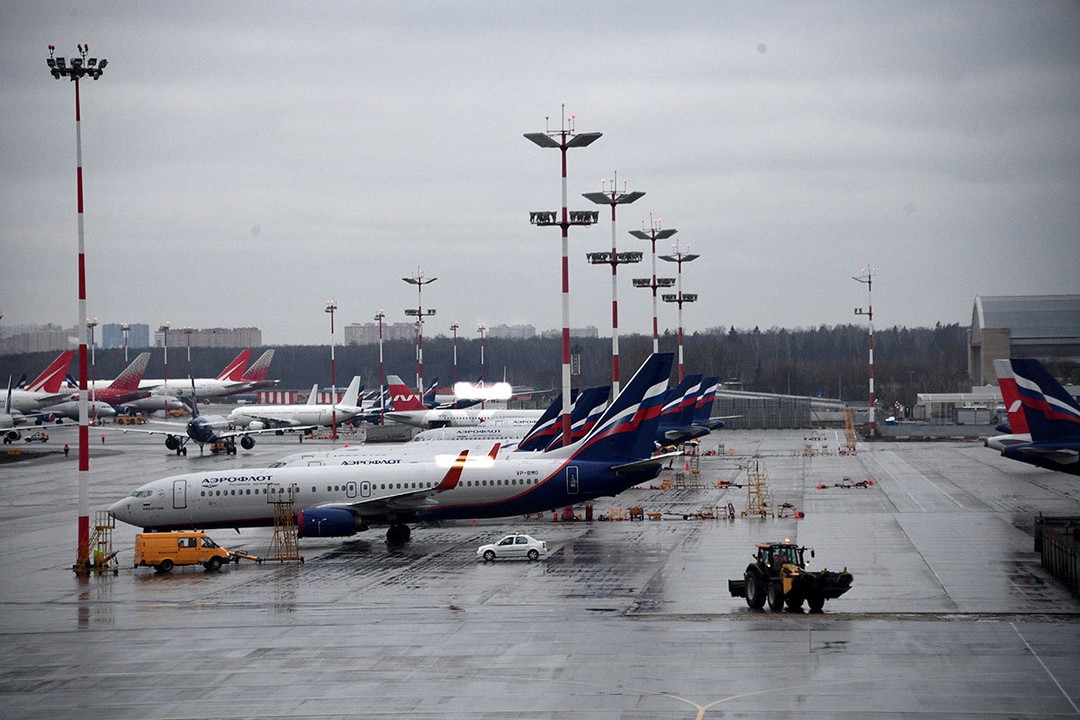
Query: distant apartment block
x,y
245,337
512,332
36,338
112,335
589,331
368,333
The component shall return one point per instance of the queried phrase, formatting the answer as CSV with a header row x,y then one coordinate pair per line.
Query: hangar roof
x,y
1030,317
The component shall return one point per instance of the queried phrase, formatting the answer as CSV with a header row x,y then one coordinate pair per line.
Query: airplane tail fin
x,y
259,369
131,376
50,379
429,394
402,397
351,398
626,430
234,371
313,396
587,409
703,407
1010,395
1052,414
540,434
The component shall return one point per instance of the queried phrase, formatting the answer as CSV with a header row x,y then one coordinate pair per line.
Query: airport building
x,y
36,338
1045,327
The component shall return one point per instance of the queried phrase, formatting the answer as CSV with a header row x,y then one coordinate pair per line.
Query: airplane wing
x,y
226,434
646,463
407,500
1057,455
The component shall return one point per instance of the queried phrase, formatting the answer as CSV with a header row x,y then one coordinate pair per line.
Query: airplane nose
x,y
121,510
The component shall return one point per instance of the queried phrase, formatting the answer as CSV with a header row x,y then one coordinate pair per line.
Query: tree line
x,y
826,361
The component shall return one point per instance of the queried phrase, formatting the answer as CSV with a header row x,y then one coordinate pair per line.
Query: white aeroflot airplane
x,y
311,414
343,500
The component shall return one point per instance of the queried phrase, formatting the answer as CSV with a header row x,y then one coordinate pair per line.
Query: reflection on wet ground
x,y
628,619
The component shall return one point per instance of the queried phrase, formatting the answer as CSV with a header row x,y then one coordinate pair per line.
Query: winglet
x,y
494,451
453,474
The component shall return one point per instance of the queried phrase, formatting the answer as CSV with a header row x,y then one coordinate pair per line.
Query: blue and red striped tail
x,y
1052,414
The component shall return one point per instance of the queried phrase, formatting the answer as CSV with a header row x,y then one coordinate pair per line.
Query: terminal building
x,y
1045,327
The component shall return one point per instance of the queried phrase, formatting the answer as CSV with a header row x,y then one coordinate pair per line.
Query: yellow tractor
x,y
778,576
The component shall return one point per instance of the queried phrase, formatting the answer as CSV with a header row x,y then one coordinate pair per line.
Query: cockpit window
x,y
142,493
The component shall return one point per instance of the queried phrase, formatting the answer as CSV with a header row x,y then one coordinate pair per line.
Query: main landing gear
x,y
398,534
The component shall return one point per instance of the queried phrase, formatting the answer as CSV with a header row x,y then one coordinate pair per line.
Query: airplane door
x,y
573,487
350,489
179,494
365,488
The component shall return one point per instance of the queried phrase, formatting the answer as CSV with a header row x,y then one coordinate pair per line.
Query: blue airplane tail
x,y
625,431
1052,414
585,413
703,407
540,434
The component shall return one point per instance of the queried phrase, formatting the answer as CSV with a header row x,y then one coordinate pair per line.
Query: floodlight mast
x,y
90,325
164,330
331,306
80,67
482,329
653,234
419,313
187,331
615,258
562,140
453,331
126,327
382,371
867,278
680,257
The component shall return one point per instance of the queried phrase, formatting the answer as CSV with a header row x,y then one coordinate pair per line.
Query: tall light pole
x,y
187,332
164,330
614,258
90,325
80,67
126,327
453,330
653,234
680,297
331,306
382,371
563,139
867,278
482,329
419,313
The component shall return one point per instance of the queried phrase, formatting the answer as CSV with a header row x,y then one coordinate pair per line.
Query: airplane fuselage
x,y
243,498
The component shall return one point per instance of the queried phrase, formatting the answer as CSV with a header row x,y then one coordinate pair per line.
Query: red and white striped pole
x,y
613,198
80,67
653,234
566,139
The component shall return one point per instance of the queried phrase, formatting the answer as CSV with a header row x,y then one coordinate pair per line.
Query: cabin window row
x,y
382,486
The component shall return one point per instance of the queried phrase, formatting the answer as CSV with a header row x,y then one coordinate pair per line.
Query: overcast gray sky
x,y
246,161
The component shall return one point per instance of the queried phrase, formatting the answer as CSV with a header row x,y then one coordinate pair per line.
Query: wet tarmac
x,y
950,614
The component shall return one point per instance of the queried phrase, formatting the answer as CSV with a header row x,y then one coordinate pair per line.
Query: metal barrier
x,y
1057,540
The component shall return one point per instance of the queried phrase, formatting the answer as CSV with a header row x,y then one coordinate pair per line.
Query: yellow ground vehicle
x,y
165,550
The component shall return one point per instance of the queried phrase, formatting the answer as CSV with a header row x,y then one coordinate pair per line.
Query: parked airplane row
x,y
421,482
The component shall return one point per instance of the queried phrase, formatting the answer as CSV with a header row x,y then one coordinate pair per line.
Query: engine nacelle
x,y
247,442
326,522
11,435
256,425
172,442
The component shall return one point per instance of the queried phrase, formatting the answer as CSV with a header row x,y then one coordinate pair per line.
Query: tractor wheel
x,y
775,596
755,589
815,602
794,601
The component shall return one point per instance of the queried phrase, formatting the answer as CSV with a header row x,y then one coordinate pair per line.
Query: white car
x,y
518,545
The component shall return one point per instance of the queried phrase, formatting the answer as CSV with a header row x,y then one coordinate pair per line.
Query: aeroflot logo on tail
x,y
212,481
404,397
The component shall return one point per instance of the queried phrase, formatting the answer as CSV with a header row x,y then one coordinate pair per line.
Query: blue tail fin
x,y
585,413
626,429
541,433
704,406
1052,414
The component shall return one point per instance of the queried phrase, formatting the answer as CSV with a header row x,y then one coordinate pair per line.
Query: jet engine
x,y
247,442
326,522
11,436
256,425
172,442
